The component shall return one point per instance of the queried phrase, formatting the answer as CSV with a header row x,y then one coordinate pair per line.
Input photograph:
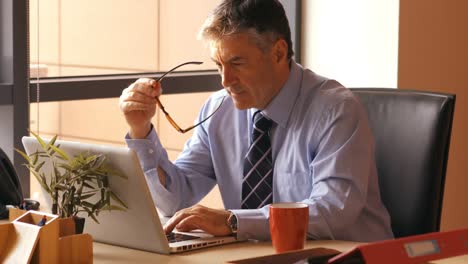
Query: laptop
x,y
140,227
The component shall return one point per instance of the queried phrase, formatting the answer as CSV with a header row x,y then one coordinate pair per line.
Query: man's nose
x,y
228,77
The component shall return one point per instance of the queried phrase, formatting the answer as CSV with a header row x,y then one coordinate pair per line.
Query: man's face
x,y
248,73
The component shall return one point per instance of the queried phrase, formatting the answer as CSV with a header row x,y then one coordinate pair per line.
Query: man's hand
x,y
138,104
212,221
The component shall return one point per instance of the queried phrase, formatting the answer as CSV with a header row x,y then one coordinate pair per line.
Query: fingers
x,y
138,104
132,101
137,96
202,222
146,86
190,223
140,96
199,217
179,216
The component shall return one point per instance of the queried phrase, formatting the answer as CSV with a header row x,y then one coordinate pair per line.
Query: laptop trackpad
x,y
177,237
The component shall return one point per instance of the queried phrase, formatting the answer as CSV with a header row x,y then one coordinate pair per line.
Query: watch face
x,y
232,221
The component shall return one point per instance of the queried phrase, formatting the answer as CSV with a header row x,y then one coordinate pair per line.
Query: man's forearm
x,y
162,176
141,132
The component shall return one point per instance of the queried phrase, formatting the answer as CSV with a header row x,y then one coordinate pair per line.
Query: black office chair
x,y
10,186
412,133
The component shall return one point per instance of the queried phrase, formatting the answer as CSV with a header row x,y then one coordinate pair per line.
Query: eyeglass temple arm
x,y
159,102
176,67
206,118
177,127
168,117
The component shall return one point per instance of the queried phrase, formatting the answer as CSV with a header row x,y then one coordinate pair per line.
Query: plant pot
x,y
79,224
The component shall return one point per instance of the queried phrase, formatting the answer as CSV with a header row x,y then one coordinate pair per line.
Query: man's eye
x,y
237,64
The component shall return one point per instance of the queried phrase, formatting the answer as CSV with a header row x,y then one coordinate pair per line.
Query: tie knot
x,y
261,122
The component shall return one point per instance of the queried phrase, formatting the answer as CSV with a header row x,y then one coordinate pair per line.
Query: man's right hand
x,y
138,105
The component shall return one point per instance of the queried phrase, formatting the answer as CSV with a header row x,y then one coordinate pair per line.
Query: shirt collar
x,y
279,109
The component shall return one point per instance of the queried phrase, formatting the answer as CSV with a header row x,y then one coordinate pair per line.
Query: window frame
x,y
18,90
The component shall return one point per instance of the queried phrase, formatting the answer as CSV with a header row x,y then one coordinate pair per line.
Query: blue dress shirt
x,y
323,152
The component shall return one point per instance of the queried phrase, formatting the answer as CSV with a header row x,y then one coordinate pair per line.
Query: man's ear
x,y
280,51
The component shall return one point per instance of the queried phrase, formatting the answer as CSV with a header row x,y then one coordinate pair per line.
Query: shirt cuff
x,y
253,223
148,150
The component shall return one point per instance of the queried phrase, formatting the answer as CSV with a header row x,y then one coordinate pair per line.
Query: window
x,y
87,38
88,56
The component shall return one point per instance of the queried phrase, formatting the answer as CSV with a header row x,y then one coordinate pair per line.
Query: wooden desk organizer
x,y
23,241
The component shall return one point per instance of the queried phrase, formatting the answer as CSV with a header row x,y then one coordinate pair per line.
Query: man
x,y
282,134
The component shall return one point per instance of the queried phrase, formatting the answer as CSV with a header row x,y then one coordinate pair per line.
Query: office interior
x,y
418,44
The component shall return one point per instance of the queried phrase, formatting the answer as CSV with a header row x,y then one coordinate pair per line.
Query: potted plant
x,y
78,184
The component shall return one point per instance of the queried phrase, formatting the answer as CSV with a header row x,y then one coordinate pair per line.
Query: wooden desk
x,y
108,254
114,255
219,254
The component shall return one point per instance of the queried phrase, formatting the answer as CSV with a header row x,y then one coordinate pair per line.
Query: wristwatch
x,y
232,223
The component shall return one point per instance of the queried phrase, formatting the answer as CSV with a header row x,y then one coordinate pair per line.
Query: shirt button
x,y
150,151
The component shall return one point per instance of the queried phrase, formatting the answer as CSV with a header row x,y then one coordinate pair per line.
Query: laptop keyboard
x,y
176,237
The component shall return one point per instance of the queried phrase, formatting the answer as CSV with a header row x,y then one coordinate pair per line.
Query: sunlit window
x,y
87,37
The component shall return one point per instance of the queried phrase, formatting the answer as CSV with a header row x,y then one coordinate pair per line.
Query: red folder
x,y
408,250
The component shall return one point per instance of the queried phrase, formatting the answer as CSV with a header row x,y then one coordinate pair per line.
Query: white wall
x,y
354,42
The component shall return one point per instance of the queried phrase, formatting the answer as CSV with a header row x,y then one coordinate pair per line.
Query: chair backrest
x,y
10,186
412,133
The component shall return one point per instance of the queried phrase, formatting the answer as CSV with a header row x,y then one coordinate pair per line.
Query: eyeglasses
x,y
168,117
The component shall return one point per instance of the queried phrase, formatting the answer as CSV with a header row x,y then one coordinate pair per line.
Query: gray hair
x,y
264,20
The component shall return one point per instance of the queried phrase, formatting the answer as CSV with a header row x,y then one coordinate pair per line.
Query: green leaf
x,y
87,185
86,196
38,167
91,158
52,141
60,152
100,161
25,156
39,139
61,187
57,175
94,218
35,158
65,166
117,199
87,204
88,210
41,181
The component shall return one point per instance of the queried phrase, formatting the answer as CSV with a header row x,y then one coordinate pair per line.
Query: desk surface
x,y
114,255
219,254
104,253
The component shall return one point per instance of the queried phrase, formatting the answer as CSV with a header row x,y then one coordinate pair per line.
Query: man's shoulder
x,y
215,99
321,92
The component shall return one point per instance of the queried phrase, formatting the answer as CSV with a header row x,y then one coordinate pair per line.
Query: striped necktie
x,y
258,166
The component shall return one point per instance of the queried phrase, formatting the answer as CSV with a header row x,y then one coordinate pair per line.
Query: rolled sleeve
x,y
253,223
152,155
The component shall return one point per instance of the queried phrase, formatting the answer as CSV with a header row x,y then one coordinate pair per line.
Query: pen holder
x,y
54,241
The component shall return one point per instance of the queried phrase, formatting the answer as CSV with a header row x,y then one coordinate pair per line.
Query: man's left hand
x,y
212,221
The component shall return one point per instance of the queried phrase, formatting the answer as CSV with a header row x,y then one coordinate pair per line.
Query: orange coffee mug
x,y
288,225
